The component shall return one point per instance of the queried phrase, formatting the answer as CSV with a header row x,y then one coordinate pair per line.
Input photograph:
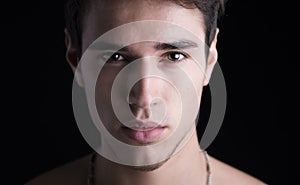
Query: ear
x,y
212,59
72,58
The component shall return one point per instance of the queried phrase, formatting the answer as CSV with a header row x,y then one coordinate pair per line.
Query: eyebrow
x,y
108,46
182,44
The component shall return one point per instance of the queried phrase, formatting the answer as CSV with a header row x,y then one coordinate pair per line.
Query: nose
x,y
142,94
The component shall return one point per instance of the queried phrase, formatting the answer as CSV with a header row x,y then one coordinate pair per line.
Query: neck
x,y
188,166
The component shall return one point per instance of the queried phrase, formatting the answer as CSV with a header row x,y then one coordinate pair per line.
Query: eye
x,y
116,57
175,56
111,57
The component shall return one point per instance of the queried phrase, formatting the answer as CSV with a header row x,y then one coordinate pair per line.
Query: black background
x,y
38,128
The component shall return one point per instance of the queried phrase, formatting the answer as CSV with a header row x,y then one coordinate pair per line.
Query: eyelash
x,y
184,56
118,55
109,57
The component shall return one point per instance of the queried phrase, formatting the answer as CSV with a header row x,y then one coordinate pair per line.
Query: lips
x,y
143,132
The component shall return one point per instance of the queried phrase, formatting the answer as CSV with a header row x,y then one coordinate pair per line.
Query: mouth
x,y
143,132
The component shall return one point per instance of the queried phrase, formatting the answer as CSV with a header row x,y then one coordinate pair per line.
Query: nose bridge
x,y
145,70
141,93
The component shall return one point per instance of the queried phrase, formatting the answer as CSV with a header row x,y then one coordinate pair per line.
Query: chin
x,y
149,168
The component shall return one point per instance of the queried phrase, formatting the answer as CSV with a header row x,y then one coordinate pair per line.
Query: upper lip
x,y
142,125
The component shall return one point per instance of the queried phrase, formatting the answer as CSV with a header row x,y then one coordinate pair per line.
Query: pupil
x,y
175,55
116,56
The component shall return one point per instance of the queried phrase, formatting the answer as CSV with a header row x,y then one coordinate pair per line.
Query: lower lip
x,y
144,136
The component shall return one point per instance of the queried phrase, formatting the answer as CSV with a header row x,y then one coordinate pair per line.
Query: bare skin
x,y
76,173
188,165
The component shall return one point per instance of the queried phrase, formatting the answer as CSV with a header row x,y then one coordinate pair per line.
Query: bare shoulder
x,y
73,173
227,175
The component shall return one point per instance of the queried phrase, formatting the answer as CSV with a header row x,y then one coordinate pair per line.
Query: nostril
x,y
156,101
153,103
140,100
139,112
128,100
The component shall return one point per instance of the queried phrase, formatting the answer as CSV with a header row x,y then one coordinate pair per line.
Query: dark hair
x,y
212,11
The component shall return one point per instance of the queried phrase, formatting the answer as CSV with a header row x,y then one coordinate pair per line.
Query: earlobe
x,y
212,59
72,58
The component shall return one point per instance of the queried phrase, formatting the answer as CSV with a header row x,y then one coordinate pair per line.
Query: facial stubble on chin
x,y
152,167
149,168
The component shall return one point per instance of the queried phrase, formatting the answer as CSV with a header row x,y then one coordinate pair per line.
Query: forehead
x,y
104,15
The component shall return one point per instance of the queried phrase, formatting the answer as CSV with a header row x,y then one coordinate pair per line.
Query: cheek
x,y
196,75
190,89
103,94
104,83
171,96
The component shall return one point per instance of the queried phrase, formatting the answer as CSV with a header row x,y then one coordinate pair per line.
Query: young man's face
x,y
161,84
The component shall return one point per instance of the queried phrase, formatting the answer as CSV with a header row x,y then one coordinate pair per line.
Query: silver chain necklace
x,y
91,174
